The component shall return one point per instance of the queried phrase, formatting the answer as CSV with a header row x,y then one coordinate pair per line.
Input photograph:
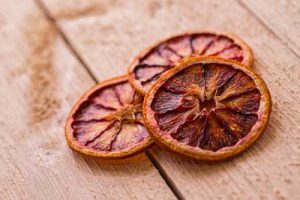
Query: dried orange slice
x,y
107,121
207,108
151,63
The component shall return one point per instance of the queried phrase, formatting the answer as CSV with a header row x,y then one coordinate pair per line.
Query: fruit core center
x,y
192,101
208,104
126,113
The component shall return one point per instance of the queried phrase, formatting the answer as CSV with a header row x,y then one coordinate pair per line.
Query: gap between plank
x,y
64,37
248,9
154,162
165,176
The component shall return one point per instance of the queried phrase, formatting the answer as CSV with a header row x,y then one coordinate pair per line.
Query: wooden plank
x,y
281,17
40,80
111,37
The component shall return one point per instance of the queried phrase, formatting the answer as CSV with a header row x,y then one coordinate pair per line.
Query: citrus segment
x,y
167,101
150,64
216,76
216,136
238,125
191,133
237,85
245,103
107,121
211,124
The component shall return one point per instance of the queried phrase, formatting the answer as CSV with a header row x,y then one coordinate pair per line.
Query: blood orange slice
x,y
107,121
207,108
151,63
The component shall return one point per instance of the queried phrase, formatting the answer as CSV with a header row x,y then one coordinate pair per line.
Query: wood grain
x,y
40,81
281,17
108,39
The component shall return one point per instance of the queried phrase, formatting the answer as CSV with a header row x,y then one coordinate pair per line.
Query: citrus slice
x,y
107,121
151,63
207,108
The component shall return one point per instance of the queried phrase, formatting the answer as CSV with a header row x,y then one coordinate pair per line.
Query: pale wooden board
x,y
282,17
108,39
40,81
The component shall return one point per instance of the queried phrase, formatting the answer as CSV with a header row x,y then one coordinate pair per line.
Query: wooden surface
x,y
52,51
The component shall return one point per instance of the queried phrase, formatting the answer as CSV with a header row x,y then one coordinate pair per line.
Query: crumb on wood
x,y
41,90
81,11
153,7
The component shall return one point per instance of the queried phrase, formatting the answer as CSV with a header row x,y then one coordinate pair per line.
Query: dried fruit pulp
x,y
154,61
107,121
207,108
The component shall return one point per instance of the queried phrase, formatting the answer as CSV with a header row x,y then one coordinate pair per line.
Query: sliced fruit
x,y
226,110
107,121
154,61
